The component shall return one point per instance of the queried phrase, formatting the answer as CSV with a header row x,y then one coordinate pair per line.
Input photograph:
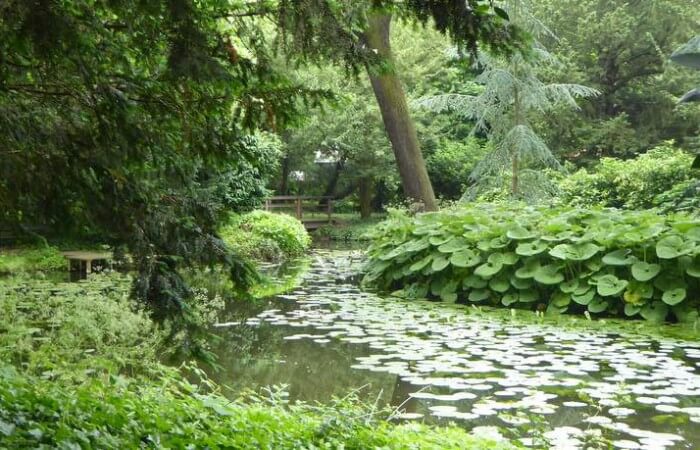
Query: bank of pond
x,y
486,327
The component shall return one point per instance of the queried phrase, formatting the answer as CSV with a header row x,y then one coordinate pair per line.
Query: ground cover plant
x,y
266,236
42,258
627,263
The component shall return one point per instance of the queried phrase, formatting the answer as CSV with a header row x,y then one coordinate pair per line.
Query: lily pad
x,y
478,295
509,299
585,298
439,263
531,248
598,305
632,310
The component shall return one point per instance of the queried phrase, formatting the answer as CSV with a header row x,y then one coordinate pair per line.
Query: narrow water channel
x,y
441,364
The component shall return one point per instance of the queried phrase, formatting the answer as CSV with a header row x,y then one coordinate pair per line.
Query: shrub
x,y
45,258
452,163
561,259
630,183
266,236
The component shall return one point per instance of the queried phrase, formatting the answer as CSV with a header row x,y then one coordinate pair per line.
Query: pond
x,y
440,364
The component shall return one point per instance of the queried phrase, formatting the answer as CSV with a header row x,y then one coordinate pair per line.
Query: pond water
x,y
570,389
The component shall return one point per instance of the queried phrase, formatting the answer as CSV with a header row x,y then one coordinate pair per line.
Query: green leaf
x,y
499,284
569,286
671,247
694,269
500,12
509,299
654,312
439,239
530,248
421,264
478,295
598,305
474,282
465,258
620,257
575,252
528,270
439,263
674,296
528,296
488,269
561,299
609,285
521,283
632,310
549,275
583,298
642,271
519,233
453,245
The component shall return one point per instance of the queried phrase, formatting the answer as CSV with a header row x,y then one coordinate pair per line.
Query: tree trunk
x,y
365,185
283,188
394,108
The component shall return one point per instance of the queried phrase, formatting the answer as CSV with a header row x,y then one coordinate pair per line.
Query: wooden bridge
x,y
312,211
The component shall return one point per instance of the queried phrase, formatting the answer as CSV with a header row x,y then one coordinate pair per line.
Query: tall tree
x,y
357,33
513,94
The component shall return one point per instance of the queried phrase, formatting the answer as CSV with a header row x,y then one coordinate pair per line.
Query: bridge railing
x,y
299,205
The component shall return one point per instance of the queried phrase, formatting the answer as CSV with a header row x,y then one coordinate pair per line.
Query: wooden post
x,y
329,208
298,203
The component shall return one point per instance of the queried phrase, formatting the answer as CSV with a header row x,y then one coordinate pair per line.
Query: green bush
x,y
562,259
266,236
452,163
632,184
45,258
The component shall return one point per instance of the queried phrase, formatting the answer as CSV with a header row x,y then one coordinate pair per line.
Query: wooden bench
x,y
297,205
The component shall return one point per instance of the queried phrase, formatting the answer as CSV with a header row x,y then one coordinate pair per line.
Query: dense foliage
x,y
42,258
266,236
561,259
640,183
139,122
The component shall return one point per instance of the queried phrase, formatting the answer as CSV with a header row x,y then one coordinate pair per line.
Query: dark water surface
x,y
570,389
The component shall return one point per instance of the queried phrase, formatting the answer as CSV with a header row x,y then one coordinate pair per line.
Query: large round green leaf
x,y
620,257
499,284
439,239
584,298
421,263
560,299
671,247
509,299
549,275
598,305
569,286
478,295
465,258
632,310
528,296
488,269
609,285
642,271
439,263
528,270
654,312
474,282
530,248
674,296
694,269
575,252
521,283
519,233
453,245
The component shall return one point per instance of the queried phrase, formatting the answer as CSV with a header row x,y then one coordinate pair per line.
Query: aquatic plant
x,y
559,259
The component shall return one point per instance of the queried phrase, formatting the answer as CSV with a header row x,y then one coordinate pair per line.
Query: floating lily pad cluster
x,y
632,263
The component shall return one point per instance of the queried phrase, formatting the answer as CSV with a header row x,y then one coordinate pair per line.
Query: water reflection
x,y
441,364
